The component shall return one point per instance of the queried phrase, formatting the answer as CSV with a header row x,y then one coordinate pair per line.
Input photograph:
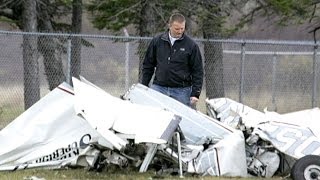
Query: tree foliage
x,y
288,9
11,11
117,14
285,12
114,14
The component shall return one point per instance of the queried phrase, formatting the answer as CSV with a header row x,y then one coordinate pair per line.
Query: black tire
x,y
306,168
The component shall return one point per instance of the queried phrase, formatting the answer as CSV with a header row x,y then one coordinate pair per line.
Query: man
x,y
177,62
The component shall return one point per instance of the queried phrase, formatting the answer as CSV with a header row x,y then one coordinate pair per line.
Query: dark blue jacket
x,y
179,65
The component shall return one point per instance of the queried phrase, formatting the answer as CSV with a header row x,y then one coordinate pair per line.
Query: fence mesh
x,y
279,75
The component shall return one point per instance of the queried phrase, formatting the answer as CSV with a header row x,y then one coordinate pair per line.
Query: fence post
x,y
69,62
243,53
274,78
127,60
315,72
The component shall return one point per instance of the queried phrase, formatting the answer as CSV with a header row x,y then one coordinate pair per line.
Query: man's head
x,y
177,25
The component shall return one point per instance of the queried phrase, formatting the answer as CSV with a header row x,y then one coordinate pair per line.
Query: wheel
x,y
306,168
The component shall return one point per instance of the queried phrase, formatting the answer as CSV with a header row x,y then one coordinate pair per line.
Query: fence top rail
x,y
262,42
128,38
69,35
296,53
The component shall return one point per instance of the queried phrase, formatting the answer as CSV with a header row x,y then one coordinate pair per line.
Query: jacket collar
x,y
165,36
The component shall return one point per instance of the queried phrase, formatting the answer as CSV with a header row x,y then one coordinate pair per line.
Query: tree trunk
x,y
76,41
30,57
147,27
47,47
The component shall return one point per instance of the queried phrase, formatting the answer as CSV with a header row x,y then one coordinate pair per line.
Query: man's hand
x,y
193,102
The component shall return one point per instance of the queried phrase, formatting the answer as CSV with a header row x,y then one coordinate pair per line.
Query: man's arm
x,y
196,72
149,64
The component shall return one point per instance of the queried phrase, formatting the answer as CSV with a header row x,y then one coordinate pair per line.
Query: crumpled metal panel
x,y
194,125
225,155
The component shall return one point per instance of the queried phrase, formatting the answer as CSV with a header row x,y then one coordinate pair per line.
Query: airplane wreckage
x,y
84,126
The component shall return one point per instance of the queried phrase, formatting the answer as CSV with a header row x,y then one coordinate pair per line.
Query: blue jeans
x,y
181,94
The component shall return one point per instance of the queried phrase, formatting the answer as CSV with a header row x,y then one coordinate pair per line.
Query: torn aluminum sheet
x,y
294,135
229,112
52,134
143,123
226,155
48,134
195,126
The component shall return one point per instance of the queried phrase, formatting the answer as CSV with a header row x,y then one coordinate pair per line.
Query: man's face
x,y
177,29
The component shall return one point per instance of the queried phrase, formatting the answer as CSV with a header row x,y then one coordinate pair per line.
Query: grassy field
x,y
45,174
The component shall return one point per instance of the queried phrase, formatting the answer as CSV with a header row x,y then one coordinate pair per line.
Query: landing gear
x,y
306,168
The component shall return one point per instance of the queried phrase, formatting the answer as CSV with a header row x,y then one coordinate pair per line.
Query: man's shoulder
x,y
160,35
189,39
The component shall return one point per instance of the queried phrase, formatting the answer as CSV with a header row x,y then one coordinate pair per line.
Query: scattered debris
x,y
144,129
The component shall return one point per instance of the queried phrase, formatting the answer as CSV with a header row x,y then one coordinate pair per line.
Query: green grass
x,y
116,175
9,113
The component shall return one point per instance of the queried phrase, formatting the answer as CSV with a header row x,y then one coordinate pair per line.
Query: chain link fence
x,y
279,75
